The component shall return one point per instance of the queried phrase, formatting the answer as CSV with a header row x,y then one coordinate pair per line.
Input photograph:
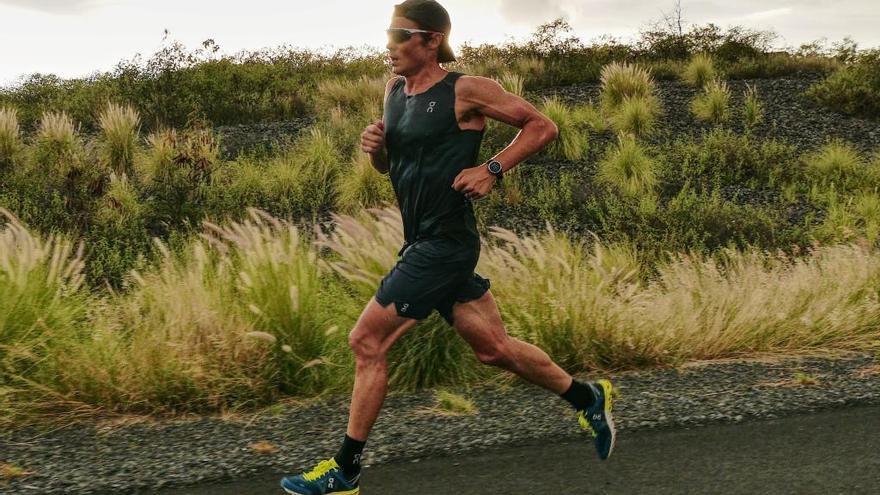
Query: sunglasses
x,y
402,35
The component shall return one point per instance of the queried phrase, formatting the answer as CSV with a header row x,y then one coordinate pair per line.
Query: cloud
x,y
56,6
533,12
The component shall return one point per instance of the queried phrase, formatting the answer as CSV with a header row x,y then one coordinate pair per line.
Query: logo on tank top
x,y
431,106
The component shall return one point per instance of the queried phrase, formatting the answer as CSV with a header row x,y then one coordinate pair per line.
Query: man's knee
x,y
364,343
496,354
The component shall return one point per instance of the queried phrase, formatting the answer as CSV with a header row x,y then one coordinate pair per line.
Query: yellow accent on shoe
x,y
321,469
582,420
609,393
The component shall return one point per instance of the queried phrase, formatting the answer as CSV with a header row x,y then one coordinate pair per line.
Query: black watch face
x,y
495,167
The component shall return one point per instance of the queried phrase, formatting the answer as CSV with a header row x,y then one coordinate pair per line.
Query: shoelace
x,y
320,470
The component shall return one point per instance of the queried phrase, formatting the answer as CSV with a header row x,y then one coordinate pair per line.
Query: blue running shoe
x,y
597,419
326,477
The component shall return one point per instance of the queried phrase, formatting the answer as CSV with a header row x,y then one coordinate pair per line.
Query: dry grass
x,y
9,472
622,80
10,139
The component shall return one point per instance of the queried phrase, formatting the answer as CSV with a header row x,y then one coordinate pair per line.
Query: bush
x,y
853,89
723,158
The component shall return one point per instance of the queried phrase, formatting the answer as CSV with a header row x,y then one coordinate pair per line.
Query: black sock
x,y
349,456
580,395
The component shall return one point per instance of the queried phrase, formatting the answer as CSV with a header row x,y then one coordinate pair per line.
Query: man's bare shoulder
x,y
476,85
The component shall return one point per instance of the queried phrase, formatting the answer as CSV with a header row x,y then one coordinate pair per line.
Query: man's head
x,y
414,49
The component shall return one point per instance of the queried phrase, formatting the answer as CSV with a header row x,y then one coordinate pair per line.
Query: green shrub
x,y
723,158
628,169
699,71
714,104
853,89
552,199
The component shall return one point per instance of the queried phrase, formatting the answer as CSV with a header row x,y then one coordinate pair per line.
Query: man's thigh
x,y
378,327
479,323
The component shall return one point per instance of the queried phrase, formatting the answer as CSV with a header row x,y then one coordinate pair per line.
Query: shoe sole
x,y
356,491
607,389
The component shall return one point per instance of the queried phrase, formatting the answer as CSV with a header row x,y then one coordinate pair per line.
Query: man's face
x,y
410,56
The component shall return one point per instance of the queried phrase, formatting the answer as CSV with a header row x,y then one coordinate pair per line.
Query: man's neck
x,y
424,79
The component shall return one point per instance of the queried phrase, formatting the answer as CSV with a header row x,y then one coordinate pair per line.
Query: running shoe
x,y
597,419
326,477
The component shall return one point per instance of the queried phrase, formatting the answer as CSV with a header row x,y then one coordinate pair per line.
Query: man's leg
x,y
479,324
373,335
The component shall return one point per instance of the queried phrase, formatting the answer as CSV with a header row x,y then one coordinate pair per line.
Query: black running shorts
x,y
432,274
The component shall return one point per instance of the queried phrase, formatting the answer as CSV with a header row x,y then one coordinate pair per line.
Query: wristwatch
x,y
495,169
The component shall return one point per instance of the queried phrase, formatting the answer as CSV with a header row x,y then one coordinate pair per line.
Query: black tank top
x,y
426,151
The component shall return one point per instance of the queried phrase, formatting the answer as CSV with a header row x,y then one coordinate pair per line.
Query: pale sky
x,y
73,38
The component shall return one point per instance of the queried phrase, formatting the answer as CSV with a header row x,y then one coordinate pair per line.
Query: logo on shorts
x,y
431,106
403,307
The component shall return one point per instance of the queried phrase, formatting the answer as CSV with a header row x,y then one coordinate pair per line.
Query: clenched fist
x,y
373,138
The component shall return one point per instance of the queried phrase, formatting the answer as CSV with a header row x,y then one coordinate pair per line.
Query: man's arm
x,y
373,138
487,97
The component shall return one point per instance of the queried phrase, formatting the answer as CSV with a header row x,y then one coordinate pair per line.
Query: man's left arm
x,y
487,97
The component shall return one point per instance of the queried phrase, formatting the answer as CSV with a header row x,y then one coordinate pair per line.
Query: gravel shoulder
x,y
97,458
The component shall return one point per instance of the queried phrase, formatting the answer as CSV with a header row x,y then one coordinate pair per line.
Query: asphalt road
x,y
832,452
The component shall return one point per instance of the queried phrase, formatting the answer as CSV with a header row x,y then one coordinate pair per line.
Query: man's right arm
x,y
373,138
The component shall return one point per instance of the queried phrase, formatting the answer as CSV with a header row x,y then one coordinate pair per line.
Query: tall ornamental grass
x,y
753,109
43,311
635,115
713,105
622,80
119,137
628,168
699,70
362,186
573,140
56,144
837,162
10,135
250,312
233,320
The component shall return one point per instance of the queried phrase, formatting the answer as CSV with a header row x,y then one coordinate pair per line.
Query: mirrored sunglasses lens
x,y
398,35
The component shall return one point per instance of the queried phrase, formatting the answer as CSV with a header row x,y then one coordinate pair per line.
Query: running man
x,y
428,142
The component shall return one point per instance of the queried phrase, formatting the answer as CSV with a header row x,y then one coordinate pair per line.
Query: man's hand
x,y
373,138
475,182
